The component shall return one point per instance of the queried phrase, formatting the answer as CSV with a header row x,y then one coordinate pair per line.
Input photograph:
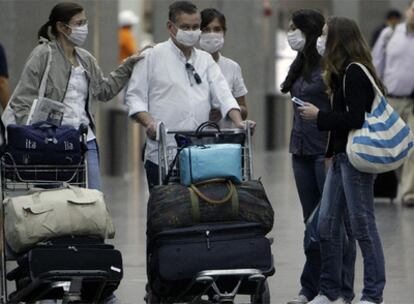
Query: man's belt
x,y
400,97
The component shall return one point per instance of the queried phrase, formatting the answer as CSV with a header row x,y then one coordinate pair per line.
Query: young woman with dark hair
x,y
74,77
213,27
308,144
346,190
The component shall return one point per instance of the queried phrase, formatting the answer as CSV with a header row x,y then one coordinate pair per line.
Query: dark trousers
x,y
151,170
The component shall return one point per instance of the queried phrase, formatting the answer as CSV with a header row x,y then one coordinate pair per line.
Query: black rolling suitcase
x,y
176,256
386,185
98,267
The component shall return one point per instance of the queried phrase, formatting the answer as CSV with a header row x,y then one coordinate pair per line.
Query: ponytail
x,y
61,12
44,31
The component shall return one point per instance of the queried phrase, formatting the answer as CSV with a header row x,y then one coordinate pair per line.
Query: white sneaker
x,y
321,299
368,302
300,299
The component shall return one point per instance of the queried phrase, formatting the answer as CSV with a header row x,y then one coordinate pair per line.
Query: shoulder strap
x,y
367,73
42,88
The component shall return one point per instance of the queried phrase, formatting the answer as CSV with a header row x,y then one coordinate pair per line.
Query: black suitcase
x,y
176,256
98,264
386,185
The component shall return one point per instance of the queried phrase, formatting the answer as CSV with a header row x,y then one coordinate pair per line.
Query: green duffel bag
x,y
176,206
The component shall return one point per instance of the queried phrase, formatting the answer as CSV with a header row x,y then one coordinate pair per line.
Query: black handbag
x,y
203,136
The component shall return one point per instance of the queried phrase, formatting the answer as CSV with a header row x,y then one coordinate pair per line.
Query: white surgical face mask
x,y
78,35
296,40
211,42
321,44
187,38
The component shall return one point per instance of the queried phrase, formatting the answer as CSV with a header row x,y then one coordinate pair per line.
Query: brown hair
x,y
62,12
344,45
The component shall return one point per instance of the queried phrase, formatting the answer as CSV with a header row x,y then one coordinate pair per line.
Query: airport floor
x,y
127,201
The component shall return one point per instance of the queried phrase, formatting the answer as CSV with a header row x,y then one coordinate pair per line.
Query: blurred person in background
x,y
308,145
4,79
393,57
213,30
348,192
392,18
127,43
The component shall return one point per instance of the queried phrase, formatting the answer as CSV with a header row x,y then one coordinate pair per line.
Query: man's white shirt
x,y
161,85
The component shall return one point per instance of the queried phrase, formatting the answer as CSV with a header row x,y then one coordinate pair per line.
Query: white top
x,y
75,101
233,74
161,86
393,56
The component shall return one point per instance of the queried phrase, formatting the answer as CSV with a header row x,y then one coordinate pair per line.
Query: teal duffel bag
x,y
204,162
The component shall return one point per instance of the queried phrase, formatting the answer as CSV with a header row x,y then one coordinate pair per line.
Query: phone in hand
x,y
298,101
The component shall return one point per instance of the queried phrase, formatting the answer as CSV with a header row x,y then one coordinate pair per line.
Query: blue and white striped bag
x,y
384,141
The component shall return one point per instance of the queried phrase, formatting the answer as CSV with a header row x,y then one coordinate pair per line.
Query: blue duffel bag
x,y
198,163
43,144
31,146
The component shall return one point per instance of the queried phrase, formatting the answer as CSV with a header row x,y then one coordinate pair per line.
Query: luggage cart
x,y
212,285
63,284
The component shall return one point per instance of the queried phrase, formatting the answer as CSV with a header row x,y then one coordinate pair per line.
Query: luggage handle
x,y
65,185
229,184
204,125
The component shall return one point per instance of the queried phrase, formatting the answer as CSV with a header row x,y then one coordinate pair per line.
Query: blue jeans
x,y
309,173
349,192
94,174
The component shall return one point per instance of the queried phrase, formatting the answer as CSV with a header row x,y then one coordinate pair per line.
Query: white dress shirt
x,y
75,101
393,57
233,74
161,86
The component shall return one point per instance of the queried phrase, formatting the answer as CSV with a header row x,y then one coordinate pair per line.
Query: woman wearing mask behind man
x,y
351,80
74,77
308,144
213,27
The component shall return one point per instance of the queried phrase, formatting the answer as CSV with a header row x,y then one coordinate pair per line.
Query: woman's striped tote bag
x,y
384,141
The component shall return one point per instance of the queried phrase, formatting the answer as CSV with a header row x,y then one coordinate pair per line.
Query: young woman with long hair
x,y
308,144
346,190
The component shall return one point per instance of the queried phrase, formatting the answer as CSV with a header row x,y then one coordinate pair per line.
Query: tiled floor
x,y
127,201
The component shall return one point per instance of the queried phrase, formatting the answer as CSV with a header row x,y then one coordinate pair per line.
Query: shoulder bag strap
x,y
367,72
42,87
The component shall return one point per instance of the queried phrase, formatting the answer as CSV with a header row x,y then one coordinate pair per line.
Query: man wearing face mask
x,y
213,27
176,84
